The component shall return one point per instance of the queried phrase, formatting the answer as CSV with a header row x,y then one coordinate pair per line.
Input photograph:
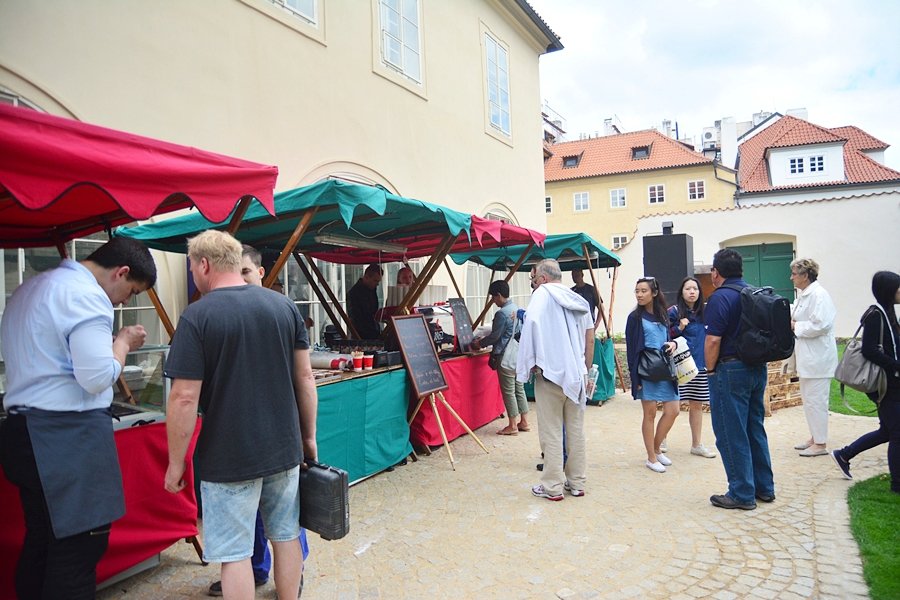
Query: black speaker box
x,y
669,258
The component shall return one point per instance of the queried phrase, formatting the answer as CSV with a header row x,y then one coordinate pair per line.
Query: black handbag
x,y
655,365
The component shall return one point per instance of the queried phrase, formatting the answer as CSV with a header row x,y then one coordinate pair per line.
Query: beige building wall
x,y
602,221
248,79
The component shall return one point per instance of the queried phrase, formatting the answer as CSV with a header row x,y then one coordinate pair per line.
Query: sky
x,y
697,61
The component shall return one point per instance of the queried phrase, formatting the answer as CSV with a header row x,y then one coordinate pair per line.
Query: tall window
x,y
617,198
582,201
816,163
657,194
400,45
619,240
696,190
497,83
796,165
304,8
548,205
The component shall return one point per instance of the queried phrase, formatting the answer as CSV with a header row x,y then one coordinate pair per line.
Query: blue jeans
x,y
736,404
261,561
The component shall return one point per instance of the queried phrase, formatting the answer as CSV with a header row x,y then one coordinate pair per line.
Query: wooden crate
x,y
782,389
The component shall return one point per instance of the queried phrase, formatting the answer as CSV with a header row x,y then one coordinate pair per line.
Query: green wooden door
x,y
769,264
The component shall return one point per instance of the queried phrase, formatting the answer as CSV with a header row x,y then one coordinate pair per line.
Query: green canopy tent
x,y
347,223
572,251
567,248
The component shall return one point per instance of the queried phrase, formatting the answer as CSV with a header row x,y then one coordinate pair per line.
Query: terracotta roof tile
x,y
857,139
753,172
612,154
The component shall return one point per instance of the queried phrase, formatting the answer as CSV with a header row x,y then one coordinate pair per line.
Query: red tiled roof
x,y
857,139
612,154
753,172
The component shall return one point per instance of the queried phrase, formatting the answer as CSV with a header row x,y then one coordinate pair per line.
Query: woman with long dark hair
x,y
648,327
686,320
886,289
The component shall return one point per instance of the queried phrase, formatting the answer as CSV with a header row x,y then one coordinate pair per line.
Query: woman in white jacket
x,y
812,319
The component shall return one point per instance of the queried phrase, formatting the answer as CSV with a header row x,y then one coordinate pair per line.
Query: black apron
x,y
78,465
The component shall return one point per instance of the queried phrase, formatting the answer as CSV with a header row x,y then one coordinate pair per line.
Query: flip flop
x,y
520,428
506,431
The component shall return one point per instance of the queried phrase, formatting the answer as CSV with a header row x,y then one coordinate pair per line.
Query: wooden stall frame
x,y
509,275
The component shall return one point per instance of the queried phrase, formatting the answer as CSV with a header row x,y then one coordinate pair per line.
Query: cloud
x,y
697,61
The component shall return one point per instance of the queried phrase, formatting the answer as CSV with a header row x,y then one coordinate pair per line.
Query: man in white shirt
x,y
57,442
557,345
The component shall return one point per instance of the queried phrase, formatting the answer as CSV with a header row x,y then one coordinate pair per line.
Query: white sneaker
x,y
702,450
664,460
664,447
656,466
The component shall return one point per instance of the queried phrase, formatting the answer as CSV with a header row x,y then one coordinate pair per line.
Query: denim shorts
x,y
229,514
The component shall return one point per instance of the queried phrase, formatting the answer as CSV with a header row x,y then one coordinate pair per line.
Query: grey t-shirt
x,y
240,342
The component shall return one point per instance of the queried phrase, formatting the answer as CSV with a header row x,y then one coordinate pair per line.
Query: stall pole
x,y
587,257
301,228
452,278
335,302
509,275
427,273
612,300
487,302
235,222
318,292
161,312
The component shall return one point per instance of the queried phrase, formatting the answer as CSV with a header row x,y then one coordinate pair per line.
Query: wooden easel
x,y
426,375
437,416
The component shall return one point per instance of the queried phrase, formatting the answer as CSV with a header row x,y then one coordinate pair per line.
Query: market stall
x,y
348,223
61,179
573,251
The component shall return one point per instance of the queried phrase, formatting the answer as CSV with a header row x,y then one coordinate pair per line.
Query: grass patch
x,y
873,520
857,400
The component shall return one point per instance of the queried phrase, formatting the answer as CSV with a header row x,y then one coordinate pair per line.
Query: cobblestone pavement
x,y
426,531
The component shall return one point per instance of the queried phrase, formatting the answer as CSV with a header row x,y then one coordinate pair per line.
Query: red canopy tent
x,y
61,179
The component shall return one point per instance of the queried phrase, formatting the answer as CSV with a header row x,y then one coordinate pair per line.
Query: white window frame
x,y
311,26
699,191
618,198
659,190
496,65
585,197
618,240
817,163
548,205
401,38
796,165
311,18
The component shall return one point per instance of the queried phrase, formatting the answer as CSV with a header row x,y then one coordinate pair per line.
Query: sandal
x,y
526,428
508,431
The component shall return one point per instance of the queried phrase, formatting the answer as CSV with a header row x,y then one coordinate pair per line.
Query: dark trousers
x,y
49,567
888,431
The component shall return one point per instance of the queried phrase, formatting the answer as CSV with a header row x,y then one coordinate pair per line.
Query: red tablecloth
x,y
474,394
154,519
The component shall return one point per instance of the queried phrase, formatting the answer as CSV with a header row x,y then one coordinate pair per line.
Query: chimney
x,y
729,142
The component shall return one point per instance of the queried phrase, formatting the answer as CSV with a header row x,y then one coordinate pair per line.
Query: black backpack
x,y
765,333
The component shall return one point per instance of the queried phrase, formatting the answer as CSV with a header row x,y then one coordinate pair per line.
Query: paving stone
x,y
424,530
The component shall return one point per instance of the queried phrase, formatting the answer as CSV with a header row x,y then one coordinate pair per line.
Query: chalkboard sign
x,y
419,354
462,324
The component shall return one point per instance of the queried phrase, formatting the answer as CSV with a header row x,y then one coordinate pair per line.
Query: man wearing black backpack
x,y
736,392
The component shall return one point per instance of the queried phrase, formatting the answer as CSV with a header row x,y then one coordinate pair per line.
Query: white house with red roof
x,y
804,191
